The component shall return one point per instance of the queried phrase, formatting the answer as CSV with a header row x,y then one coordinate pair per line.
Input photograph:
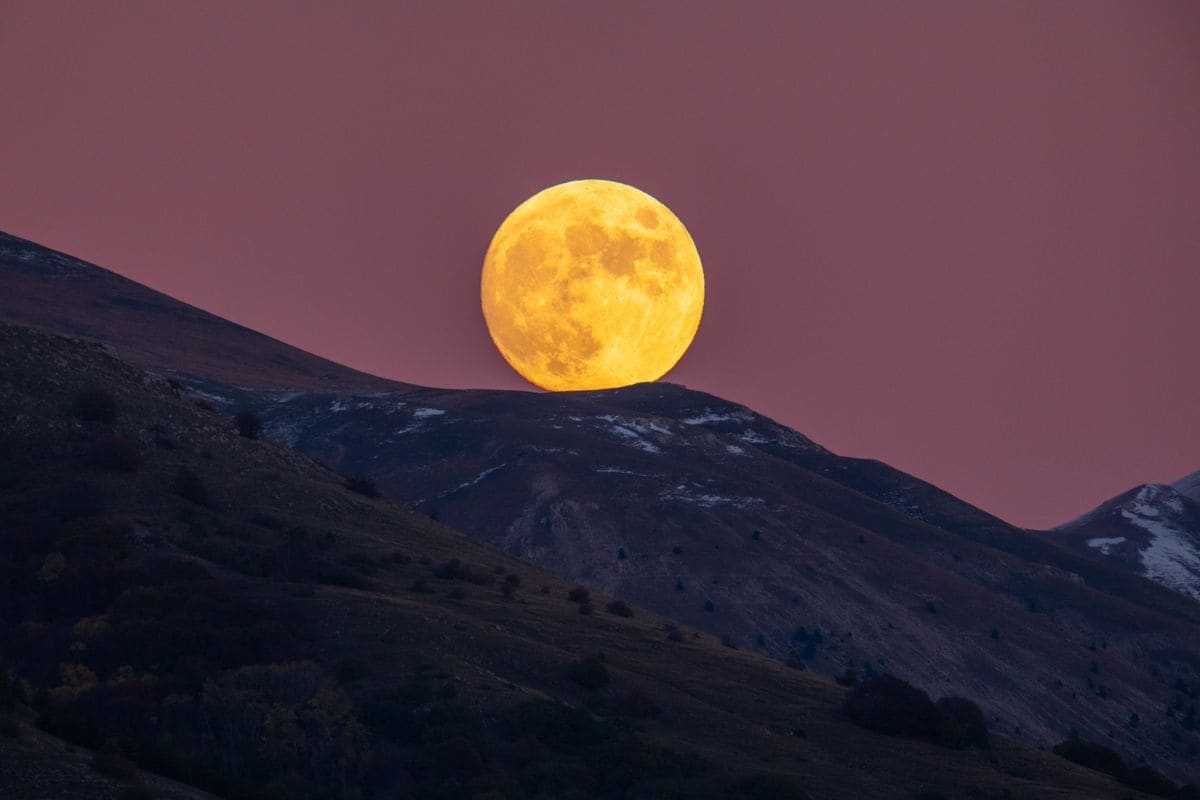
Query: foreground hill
x,y
225,611
1152,530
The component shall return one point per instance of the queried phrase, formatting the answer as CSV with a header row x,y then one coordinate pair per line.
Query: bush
x,y
364,486
578,595
590,672
619,608
187,484
455,570
95,405
114,453
887,704
960,724
585,609
248,424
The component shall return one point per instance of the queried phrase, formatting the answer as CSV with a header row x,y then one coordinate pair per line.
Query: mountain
x,y
225,611
1152,530
56,292
712,515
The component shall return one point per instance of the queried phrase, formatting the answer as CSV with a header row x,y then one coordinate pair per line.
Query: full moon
x,y
592,284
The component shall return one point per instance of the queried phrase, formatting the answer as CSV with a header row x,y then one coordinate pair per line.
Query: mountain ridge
x,y
710,514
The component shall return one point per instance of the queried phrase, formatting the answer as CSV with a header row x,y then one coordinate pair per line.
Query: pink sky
x,y
963,238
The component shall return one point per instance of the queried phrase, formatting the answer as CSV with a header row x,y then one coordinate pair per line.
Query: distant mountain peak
x,y
1153,529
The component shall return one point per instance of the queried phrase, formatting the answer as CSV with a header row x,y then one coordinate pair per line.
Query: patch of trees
x,y
886,704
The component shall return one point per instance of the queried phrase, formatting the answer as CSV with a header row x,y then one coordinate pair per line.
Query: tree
x,y
887,704
960,724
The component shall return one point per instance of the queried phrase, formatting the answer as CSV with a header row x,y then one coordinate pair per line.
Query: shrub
x,y
709,607
455,570
585,609
114,453
589,672
960,724
887,704
578,595
189,486
248,424
729,642
620,609
673,632
364,486
95,405
621,554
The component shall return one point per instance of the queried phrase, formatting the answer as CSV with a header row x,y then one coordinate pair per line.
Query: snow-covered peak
x,y
1171,553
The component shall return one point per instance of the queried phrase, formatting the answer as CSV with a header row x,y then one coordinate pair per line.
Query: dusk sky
x,y
963,238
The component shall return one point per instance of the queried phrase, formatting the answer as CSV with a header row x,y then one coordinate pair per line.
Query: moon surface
x,y
592,284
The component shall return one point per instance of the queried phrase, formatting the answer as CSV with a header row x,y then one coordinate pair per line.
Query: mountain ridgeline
x,y
714,519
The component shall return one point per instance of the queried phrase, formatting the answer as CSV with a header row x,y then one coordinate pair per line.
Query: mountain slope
x,y
1189,486
715,516
55,292
223,610
1152,530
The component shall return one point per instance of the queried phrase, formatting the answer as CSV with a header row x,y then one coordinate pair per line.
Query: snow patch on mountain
x,y
634,438
1171,555
1105,544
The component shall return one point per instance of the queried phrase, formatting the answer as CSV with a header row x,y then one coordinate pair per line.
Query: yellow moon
x,y
592,284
